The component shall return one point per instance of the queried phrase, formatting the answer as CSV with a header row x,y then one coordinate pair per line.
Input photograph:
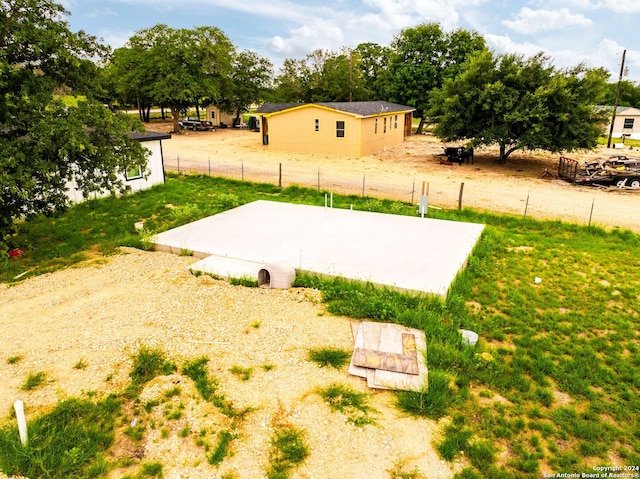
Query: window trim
x,y
341,130
138,176
316,125
630,122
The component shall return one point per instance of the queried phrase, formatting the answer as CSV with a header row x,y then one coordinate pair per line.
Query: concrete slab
x,y
409,253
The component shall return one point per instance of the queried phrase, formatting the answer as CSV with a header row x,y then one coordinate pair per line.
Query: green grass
x,y
34,380
555,377
14,359
241,372
68,441
628,142
288,451
222,448
354,405
333,357
149,363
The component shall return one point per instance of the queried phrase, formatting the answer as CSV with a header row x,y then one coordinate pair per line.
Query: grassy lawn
x,y
554,382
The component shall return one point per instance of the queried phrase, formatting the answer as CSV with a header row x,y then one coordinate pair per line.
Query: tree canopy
x,y
520,104
421,58
177,68
45,145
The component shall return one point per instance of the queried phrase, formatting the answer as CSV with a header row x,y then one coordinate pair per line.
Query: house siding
x,y
311,129
619,125
155,175
215,115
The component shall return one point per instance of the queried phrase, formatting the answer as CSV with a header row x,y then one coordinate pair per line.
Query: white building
x,y
134,178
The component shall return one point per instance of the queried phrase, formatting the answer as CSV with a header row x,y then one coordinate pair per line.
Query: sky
x,y
593,32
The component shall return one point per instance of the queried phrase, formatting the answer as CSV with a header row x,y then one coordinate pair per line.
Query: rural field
x,y
191,376
517,187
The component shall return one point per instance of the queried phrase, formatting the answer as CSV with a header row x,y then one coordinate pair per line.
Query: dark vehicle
x,y
196,124
618,171
458,154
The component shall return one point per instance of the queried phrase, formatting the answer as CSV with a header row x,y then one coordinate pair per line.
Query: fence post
x,y
279,175
178,163
460,196
526,205
209,166
318,178
242,170
363,180
413,189
591,214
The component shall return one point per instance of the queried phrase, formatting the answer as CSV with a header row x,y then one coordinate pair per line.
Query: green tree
x,y
43,144
372,61
520,104
421,58
629,94
251,77
177,68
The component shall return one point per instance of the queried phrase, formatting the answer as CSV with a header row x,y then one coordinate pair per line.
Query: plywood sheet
x,y
389,356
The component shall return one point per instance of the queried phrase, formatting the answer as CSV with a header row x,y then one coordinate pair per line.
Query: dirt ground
x,y
101,313
487,184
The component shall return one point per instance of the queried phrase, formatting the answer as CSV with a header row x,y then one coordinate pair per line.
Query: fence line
x,y
580,205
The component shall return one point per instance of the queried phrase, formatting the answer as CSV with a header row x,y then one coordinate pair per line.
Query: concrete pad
x,y
409,253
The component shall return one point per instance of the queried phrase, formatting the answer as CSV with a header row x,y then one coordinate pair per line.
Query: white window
x,y
339,129
133,173
317,124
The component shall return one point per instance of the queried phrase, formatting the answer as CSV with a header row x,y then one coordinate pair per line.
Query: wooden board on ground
x,y
389,356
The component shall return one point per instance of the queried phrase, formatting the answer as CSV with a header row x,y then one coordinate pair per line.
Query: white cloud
x,y
105,12
504,44
532,21
617,6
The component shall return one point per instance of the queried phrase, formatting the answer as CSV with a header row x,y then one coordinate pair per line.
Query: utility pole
x,y
615,105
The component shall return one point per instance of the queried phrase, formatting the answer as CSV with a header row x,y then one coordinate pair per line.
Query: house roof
x,y
357,108
621,110
149,136
628,111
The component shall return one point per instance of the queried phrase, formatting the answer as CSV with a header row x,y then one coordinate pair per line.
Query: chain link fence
x,y
609,208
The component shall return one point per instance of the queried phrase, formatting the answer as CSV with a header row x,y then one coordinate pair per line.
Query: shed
x,y
135,178
216,115
352,129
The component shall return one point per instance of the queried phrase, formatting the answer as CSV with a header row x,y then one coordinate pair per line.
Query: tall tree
x,y
177,68
520,104
372,62
43,144
421,58
251,77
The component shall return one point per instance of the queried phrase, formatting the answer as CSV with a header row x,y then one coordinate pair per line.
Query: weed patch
x,y
333,357
288,451
354,405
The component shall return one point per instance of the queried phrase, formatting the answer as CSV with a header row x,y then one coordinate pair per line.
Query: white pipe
x,y
22,422
325,200
332,199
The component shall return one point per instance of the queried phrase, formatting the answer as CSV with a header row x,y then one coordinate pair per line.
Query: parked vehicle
x,y
196,124
619,171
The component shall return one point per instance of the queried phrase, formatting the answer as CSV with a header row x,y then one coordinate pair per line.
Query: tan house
x,y
627,123
216,116
352,129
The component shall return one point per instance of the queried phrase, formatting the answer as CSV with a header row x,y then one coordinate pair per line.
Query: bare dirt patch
x,y
102,313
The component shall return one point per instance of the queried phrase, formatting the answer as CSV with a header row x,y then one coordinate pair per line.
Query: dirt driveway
x,y
525,185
